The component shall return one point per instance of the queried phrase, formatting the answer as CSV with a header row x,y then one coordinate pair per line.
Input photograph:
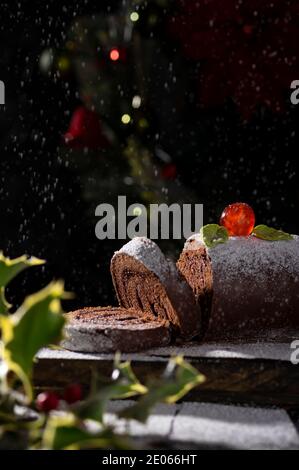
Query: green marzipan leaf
x,y
37,323
213,234
271,234
9,268
179,379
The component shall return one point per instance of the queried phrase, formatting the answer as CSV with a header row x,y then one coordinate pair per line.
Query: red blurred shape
x,y
248,29
47,401
169,171
73,393
85,130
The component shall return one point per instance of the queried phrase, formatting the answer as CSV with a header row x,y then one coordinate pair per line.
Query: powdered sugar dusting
x,y
180,284
147,252
242,350
251,256
180,294
255,258
193,242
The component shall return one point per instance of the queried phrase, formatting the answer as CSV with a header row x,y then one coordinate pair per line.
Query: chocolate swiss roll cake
x,y
110,329
247,287
145,280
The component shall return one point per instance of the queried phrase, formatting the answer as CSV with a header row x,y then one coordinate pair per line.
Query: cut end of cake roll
x,y
194,264
144,279
111,329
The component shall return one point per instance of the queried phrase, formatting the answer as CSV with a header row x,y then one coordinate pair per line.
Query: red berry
x,y
47,401
72,393
238,219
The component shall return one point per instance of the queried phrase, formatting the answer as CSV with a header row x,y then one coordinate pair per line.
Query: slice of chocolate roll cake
x,y
145,280
246,287
110,329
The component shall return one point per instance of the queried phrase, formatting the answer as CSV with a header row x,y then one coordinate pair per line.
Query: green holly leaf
x,y
37,323
9,268
184,377
66,432
124,385
179,378
271,234
4,305
213,234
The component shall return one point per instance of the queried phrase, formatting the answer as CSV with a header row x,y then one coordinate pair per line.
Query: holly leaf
x,y
184,376
179,378
124,385
126,379
4,305
213,234
37,323
9,268
271,234
68,433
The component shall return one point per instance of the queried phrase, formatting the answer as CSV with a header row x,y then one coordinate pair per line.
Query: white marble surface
x,y
235,426
213,426
158,424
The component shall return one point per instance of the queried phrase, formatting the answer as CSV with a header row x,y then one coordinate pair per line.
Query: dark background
x,y
234,150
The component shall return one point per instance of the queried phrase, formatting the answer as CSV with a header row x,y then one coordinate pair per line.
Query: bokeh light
x,y
114,54
126,118
134,16
136,101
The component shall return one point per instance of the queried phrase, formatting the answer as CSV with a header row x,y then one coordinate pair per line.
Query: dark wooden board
x,y
260,381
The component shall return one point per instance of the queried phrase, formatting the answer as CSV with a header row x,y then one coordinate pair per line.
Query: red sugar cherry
x,y
72,393
238,219
47,401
